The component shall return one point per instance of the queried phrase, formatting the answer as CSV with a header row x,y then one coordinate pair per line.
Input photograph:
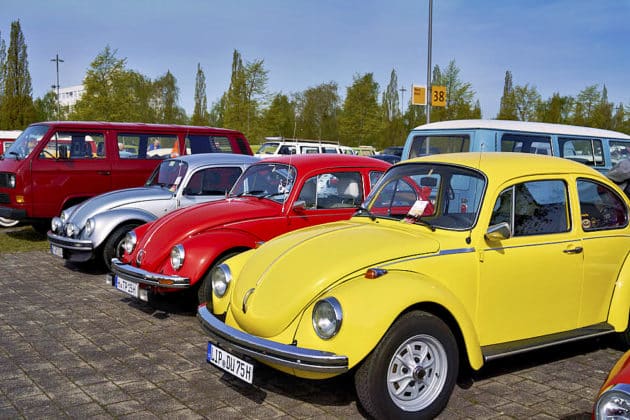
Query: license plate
x,y
230,363
55,250
126,286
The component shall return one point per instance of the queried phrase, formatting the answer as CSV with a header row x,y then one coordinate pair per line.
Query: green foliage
x,y
360,121
459,95
16,105
279,118
393,130
318,110
200,113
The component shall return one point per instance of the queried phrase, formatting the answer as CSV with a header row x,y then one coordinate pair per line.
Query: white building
x,y
68,96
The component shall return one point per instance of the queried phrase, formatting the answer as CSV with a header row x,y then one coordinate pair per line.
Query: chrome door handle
x,y
576,250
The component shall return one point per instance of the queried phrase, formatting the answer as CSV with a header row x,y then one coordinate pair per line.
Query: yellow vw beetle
x,y
454,260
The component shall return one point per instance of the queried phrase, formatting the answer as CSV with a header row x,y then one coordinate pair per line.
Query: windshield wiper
x,y
255,193
362,210
418,220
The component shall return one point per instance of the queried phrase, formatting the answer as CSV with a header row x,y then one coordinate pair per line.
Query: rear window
x,y
147,146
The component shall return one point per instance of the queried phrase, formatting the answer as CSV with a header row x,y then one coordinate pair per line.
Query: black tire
x,y
622,339
424,384
41,226
204,292
112,246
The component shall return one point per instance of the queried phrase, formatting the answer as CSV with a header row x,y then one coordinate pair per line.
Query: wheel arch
x,y
619,313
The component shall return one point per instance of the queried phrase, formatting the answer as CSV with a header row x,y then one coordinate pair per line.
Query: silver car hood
x,y
117,199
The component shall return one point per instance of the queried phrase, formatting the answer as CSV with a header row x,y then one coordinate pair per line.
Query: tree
x,y
360,121
526,102
586,103
318,108
507,109
46,107
459,96
279,118
556,109
393,131
200,113
166,100
16,110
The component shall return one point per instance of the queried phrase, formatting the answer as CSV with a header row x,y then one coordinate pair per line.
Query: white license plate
x,y
126,286
55,250
230,363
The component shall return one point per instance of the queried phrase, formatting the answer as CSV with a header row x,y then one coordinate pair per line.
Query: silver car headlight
x,y
614,403
221,277
56,225
64,216
327,317
89,227
129,243
177,256
71,230
11,181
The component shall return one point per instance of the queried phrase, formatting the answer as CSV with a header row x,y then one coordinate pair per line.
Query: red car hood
x,y
175,227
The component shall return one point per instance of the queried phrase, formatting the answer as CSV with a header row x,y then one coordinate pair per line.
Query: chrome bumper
x,y
64,242
239,342
138,275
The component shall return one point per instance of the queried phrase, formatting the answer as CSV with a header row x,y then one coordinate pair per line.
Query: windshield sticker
x,y
416,211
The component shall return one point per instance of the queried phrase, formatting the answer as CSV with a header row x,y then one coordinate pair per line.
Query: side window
x,y
204,143
212,181
511,142
374,177
619,150
586,151
533,208
147,146
333,190
309,149
286,150
73,145
600,207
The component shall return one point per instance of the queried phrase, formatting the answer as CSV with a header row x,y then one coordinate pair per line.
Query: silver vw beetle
x,y
94,229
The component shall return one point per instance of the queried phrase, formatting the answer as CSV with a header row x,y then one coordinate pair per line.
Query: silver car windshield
x,y
267,180
169,174
436,195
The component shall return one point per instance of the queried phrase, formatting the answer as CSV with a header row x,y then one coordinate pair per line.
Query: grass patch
x,y
22,239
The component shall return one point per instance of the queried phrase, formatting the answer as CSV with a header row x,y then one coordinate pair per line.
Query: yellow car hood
x,y
287,273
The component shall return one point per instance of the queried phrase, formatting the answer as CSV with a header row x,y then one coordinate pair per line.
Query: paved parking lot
x,y
72,347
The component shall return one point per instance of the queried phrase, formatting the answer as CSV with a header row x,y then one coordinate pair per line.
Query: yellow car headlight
x,y
327,317
221,277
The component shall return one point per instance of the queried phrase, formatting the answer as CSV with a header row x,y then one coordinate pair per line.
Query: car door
x,y
604,221
530,283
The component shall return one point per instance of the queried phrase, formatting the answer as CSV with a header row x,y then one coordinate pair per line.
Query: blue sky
x,y
554,45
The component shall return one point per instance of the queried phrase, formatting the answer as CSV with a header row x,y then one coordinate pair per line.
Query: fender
x,y
620,302
202,250
109,220
236,263
368,313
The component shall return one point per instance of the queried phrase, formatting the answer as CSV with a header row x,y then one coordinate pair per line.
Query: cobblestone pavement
x,y
73,347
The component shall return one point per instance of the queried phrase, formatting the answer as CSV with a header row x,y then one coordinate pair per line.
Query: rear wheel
x,y
5,223
204,293
412,371
112,248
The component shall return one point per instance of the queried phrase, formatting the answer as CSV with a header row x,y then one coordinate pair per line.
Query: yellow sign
x,y
438,95
419,95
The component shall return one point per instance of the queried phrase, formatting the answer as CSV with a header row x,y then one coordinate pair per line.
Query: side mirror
x,y
299,206
498,232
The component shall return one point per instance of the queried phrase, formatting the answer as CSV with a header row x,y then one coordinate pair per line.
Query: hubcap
x,y
417,372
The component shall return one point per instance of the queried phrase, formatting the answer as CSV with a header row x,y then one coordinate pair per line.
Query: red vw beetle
x,y
613,398
273,196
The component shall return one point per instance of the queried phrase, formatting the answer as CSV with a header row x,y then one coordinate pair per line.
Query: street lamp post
x,y
402,99
429,62
57,60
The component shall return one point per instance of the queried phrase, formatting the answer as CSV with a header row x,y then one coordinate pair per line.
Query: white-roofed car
x,y
93,229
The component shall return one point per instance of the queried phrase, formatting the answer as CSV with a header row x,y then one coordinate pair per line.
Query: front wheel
x,y
412,371
204,293
112,247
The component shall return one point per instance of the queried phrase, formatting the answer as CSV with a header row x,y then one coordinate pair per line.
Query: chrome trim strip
x,y
70,243
566,241
138,275
456,251
269,351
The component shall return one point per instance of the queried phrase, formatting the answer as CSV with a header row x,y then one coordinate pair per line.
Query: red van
x,y
54,165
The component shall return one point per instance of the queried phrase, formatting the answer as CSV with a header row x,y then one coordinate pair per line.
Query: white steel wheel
x,y
8,222
417,373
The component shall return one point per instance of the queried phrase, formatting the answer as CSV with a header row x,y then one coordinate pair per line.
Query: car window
x,y
589,152
333,190
212,181
533,208
374,177
147,146
74,145
600,207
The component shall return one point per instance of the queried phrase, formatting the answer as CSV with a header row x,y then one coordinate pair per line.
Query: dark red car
x,y
272,197
613,398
